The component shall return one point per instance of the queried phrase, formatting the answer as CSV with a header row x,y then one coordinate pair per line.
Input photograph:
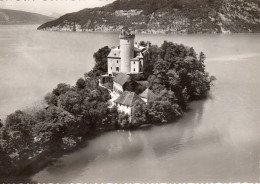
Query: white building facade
x,y
127,57
125,102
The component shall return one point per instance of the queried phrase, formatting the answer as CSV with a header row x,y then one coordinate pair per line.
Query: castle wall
x,y
114,65
135,66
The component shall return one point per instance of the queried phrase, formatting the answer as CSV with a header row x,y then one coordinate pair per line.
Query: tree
x,y
164,47
51,99
199,84
202,58
175,86
61,88
71,102
123,120
110,119
150,59
19,121
19,138
187,76
5,161
139,114
100,94
142,43
57,124
158,111
159,80
174,79
81,84
165,108
100,67
1,124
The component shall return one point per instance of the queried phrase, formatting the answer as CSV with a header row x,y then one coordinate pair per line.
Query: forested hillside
x,y
165,16
21,17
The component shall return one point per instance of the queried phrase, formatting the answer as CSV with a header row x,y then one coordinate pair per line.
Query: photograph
x,y
129,91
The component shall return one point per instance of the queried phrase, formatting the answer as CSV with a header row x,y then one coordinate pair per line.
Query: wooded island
x,y
168,78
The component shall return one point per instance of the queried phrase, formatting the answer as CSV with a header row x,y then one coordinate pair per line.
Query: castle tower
x,y
126,50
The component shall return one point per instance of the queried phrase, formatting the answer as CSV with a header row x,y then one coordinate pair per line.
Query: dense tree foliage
x,y
73,113
165,108
6,165
181,16
159,80
139,116
177,76
100,67
178,69
150,59
154,5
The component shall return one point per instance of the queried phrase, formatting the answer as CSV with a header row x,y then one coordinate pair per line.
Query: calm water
x,y
216,141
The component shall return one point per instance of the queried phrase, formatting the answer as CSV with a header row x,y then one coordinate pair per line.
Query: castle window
x,y
117,61
117,69
111,68
134,62
134,69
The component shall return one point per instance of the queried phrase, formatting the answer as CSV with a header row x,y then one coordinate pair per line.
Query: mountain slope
x,y
164,16
20,17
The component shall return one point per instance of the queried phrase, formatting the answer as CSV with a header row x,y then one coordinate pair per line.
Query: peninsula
x,y
130,86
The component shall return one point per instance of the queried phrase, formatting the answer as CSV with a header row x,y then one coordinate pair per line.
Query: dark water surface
x,y
216,141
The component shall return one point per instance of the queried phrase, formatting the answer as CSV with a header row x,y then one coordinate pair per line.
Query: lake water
x,y
217,140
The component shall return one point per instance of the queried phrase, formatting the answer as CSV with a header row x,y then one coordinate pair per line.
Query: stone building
x,y
126,101
124,62
128,57
119,81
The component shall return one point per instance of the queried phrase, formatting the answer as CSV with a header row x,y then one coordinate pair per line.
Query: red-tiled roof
x,y
128,98
122,78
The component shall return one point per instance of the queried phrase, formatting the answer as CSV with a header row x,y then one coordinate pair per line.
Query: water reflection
x,y
130,146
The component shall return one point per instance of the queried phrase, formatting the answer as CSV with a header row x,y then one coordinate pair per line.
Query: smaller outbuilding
x,y
119,81
148,96
123,82
126,101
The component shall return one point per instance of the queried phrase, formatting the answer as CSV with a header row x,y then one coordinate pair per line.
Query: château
x,y
124,62
128,57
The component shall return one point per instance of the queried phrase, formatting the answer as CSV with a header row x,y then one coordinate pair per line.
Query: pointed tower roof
x,y
148,94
